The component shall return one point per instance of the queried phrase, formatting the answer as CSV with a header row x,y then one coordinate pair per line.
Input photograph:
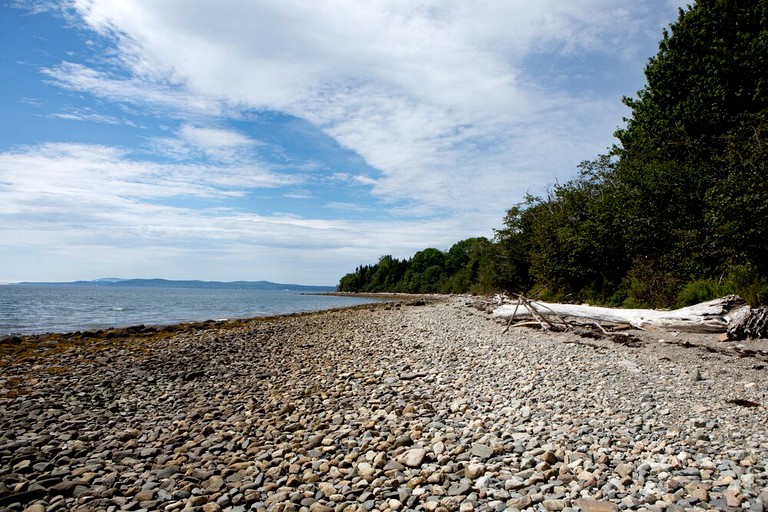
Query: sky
x,y
292,141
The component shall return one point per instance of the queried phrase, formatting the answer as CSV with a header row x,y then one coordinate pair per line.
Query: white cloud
x,y
163,96
342,206
215,139
299,194
427,92
60,194
210,143
77,206
78,177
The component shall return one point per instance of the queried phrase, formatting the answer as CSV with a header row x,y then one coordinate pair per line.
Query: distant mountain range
x,y
168,283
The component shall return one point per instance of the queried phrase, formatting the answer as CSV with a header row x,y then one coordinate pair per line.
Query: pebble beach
x,y
417,404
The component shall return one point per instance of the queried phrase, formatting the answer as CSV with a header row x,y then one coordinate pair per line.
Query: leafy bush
x,y
742,280
699,290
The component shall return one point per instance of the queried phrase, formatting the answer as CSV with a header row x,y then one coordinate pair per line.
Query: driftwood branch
x,y
545,324
512,316
728,314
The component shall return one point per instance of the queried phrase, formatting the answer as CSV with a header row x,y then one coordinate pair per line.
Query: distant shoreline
x,y
185,283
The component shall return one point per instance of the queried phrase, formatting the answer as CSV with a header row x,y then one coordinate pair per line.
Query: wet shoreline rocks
x,y
422,405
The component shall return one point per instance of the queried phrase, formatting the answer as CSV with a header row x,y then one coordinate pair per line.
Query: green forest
x,y
674,214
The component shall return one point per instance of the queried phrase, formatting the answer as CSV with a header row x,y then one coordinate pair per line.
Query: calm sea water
x,y
40,309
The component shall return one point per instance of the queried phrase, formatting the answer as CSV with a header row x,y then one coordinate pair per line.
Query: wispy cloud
x,y
164,97
215,144
426,92
346,207
299,194
85,177
87,115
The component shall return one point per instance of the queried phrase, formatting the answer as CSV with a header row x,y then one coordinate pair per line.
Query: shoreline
x,y
14,345
409,405
99,331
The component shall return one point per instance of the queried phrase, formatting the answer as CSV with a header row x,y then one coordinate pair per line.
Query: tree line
x,y
675,213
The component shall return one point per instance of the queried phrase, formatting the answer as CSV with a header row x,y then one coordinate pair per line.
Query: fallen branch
x,y
545,324
525,323
540,325
600,326
512,316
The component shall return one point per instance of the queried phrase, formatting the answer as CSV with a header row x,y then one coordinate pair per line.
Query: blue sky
x,y
293,141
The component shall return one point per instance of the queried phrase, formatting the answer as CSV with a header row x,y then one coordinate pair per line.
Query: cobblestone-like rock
x,y
382,407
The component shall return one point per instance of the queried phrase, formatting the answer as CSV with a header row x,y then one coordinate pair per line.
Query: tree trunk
x,y
714,316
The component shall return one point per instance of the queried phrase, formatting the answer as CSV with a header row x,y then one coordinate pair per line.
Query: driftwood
x,y
545,324
753,324
728,314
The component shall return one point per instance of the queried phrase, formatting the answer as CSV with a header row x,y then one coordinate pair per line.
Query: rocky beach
x,y
410,405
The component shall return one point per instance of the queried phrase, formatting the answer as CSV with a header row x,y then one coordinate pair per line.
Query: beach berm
x,y
405,405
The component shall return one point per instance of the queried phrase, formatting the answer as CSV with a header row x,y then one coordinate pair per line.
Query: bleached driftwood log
x,y
714,316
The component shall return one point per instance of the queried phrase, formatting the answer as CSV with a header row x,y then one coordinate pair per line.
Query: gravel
x,y
426,405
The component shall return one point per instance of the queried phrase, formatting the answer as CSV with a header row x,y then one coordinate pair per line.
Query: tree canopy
x,y
467,266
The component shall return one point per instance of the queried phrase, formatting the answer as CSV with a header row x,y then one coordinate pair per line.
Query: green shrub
x,y
742,280
745,281
700,290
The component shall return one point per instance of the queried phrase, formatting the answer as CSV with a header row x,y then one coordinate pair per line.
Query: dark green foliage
x,y
468,266
571,237
691,174
676,214
385,276
649,284
737,204
709,71
425,271
511,271
742,280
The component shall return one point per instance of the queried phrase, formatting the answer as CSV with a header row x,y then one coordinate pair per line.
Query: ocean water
x,y
42,309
